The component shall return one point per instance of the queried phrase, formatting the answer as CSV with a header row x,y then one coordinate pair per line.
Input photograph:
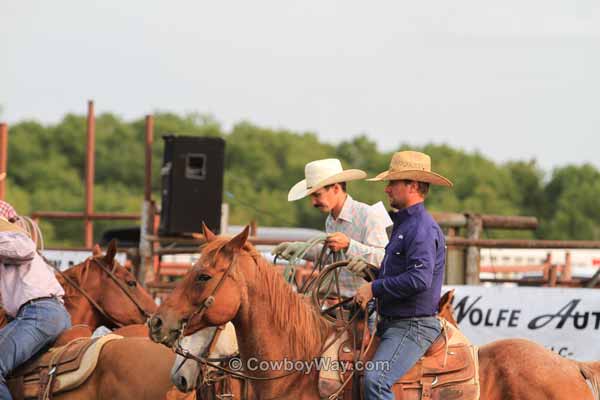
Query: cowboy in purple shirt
x,y
409,282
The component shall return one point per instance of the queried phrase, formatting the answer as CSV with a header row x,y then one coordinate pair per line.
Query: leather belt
x,y
394,318
31,301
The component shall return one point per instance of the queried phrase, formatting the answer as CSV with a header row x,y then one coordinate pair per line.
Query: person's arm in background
x,y
375,238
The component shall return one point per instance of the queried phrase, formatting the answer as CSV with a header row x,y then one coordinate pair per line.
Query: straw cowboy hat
x,y
321,173
6,226
414,166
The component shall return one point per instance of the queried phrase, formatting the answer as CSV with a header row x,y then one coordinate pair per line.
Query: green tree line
x,y
46,166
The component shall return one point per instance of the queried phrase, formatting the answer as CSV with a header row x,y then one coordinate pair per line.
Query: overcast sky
x,y
517,79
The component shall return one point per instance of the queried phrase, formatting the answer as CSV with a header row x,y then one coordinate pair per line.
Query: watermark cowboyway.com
x,y
318,364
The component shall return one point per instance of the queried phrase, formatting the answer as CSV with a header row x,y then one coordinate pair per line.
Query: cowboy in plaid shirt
x,y
7,211
354,228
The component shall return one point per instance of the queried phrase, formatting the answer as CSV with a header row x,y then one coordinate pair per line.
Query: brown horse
x,y
129,368
221,342
232,282
496,362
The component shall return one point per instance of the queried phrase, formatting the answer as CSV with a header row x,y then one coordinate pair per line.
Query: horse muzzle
x,y
160,332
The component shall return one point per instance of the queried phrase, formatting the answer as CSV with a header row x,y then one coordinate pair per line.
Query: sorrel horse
x,y
496,360
221,343
129,368
232,282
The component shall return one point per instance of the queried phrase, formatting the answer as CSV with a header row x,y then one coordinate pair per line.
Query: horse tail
x,y
591,372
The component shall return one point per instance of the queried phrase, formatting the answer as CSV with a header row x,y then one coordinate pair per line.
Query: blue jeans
x,y
403,343
37,325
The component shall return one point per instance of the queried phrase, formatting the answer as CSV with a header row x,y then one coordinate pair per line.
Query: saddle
x,y
449,370
57,370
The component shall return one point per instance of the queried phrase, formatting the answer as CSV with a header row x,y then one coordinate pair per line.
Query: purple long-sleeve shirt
x,y
410,279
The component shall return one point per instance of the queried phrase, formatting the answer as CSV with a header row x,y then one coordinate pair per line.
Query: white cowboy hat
x,y
321,173
414,166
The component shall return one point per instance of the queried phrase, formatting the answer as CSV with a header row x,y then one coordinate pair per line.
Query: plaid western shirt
x,y
7,211
366,227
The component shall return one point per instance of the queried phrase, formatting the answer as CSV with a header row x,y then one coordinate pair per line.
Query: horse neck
x,y
276,323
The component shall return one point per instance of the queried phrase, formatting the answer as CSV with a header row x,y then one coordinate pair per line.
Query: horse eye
x,y
203,278
131,283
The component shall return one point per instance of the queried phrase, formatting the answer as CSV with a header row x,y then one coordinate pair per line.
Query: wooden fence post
x,y
474,228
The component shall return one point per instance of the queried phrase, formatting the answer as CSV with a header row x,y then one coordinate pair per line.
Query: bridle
x,y
209,349
207,378
209,301
112,275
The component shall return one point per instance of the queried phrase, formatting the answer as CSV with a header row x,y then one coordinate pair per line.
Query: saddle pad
x,y
80,362
74,332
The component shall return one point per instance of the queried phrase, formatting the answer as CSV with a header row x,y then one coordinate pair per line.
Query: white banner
x,y
564,320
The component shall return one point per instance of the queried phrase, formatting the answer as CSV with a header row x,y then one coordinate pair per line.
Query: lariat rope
x,y
33,230
325,254
289,271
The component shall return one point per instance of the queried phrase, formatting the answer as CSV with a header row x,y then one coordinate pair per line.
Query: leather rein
x,y
111,274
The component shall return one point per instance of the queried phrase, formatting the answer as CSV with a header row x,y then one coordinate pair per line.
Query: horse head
x,y
114,296
185,375
209,295
123,298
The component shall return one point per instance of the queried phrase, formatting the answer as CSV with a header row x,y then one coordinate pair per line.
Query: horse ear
x,y
208,234
239,240
451,296
111,251
96,250
446,299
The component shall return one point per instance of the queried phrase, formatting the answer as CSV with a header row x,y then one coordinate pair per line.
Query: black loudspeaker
x,y
192,184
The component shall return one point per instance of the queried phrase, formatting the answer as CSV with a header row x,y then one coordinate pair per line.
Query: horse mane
x,y
77,273
297,321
